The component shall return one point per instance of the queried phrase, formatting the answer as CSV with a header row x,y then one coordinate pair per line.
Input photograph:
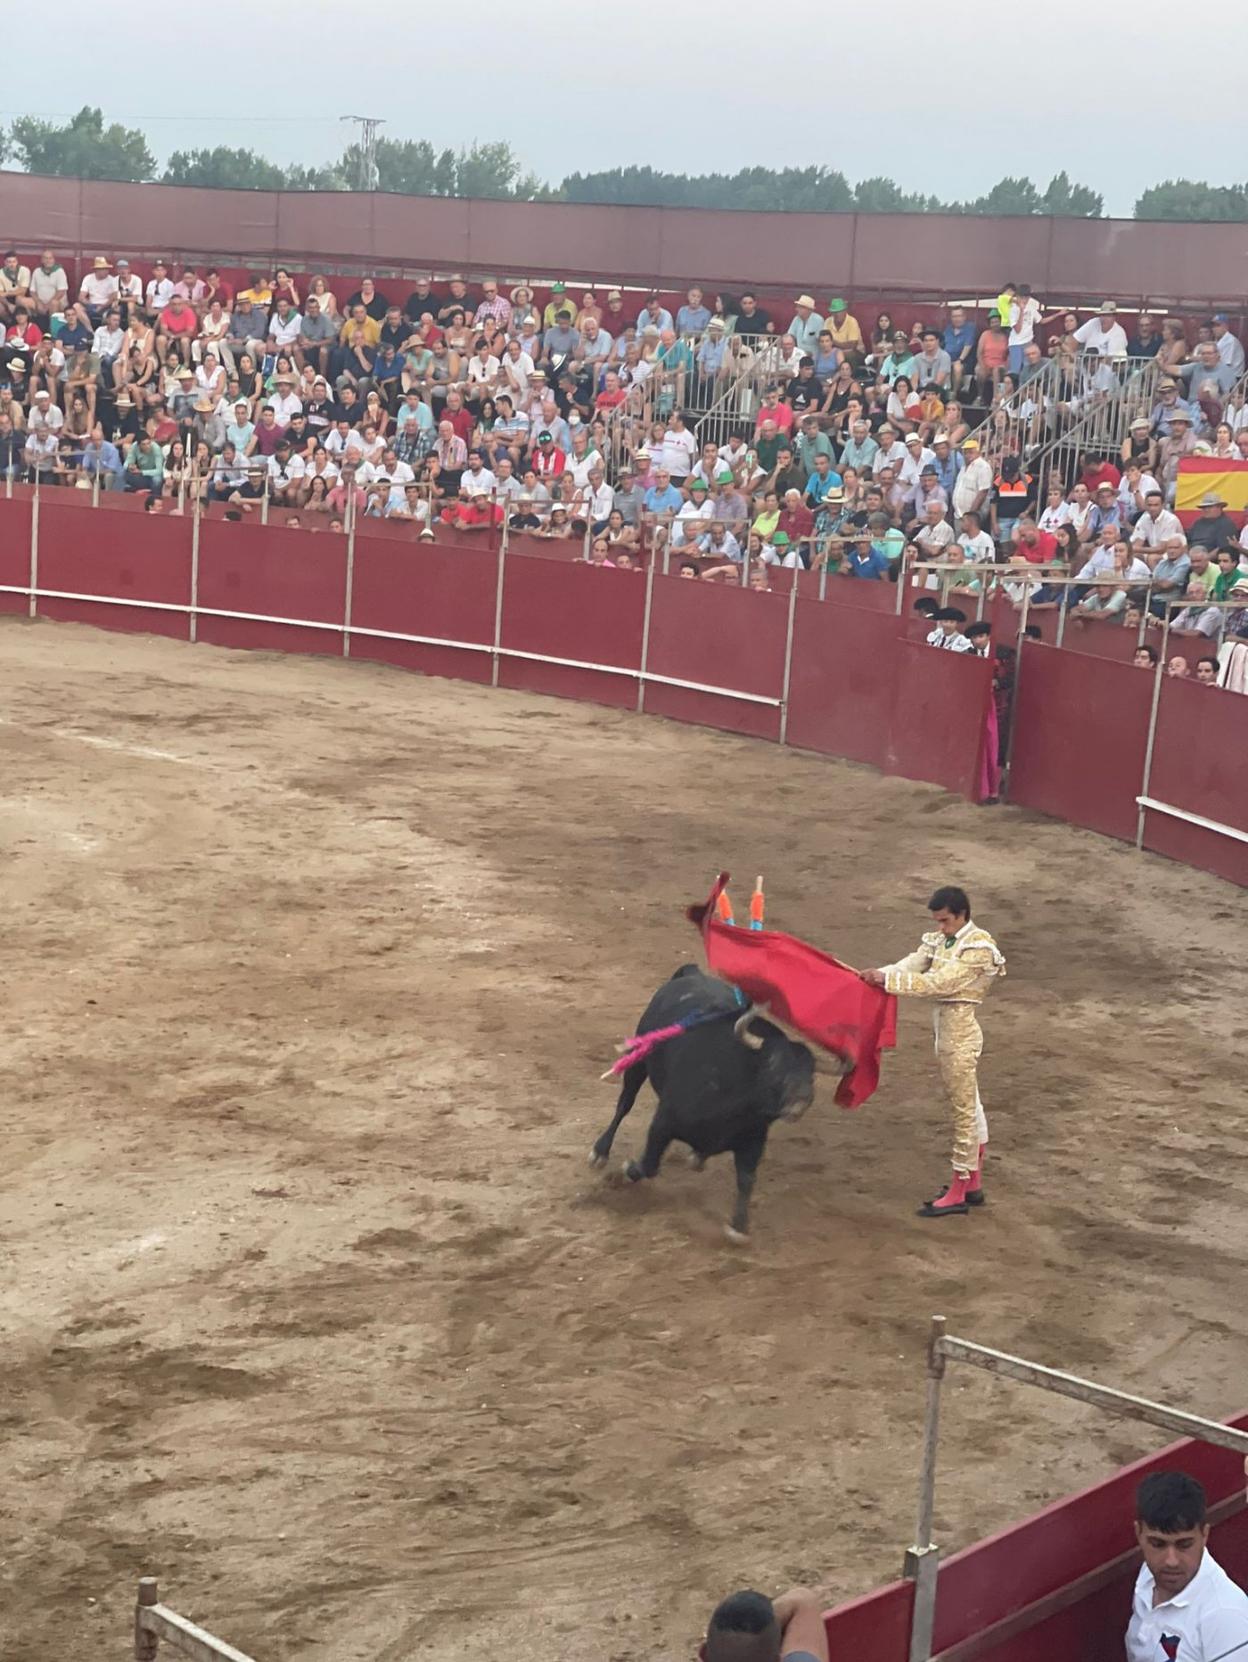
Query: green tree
x,y
1008,196
223,168
83,148
329,177
879,195
409,166
1193,199
493,170
1069,200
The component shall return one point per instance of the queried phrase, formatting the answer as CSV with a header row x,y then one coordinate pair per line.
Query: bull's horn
x,y
741,1027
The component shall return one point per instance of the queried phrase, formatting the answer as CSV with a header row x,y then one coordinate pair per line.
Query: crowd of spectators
x,y
848,447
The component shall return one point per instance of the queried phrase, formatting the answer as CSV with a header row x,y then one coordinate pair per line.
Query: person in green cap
x,y
558,303
779,550
843,326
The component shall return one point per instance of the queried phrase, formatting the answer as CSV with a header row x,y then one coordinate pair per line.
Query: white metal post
x,y
645,635
788,660
1152,731
922,1565
498,610
34,549
195,517
347,598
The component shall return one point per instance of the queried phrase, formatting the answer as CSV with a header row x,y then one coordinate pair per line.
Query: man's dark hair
x,y
951,614
1033,632
738,1620
950,899
1151,652
975,631
688,565
926,606
1170,1502
1212,661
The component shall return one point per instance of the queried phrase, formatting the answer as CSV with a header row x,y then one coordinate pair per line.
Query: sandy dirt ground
x,y
309,1302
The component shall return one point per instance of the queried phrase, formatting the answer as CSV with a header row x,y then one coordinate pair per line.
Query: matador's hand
x,y
872,977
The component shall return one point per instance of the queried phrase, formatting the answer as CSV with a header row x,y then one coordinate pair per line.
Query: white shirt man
x,y
1025,313
159,293
1103,333
45,417
106,342
892,453
284,331
679,450
283,471
385,472
1158,528
478,480
99,289
974,480
692,520
1204,1622
917,457
284,404
580,466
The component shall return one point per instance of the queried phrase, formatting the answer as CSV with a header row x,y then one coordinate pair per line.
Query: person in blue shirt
x,y
102,457
693,317
663,497
959,341
823,479
864,559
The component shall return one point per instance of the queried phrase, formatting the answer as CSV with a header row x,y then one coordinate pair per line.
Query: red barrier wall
x,y
1005,1573
925,720
271,573
447,594
1080,727
14,552
1197,766
861,684
934,254
572,611
133,558
721,637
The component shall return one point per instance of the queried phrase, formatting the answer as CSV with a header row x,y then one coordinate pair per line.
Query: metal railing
x,y
154,1622
922,1561
1103,399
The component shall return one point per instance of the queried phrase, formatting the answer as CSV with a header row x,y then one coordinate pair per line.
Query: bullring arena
x,y
311,1305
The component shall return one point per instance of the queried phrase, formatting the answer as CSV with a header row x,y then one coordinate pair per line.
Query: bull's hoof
x,y
597,1160
633,1172
697,1162
736,1236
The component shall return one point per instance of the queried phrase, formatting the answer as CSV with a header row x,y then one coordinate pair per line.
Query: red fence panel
x,y
133,559
1197,767
1080,728
729,638
939,710
446,595
288,585
591,613
839,701
996,1578
14,552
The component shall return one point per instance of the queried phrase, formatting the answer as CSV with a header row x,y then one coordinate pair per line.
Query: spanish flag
x,y
1199,475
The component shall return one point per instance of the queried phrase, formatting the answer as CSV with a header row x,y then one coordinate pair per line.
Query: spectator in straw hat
x,y
806,325
1213,528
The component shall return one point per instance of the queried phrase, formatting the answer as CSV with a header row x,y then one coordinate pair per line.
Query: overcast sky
x,y
1120,95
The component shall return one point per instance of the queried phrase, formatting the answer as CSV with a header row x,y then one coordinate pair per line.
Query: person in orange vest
x,y
1014,494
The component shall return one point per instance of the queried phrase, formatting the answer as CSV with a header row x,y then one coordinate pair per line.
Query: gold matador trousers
x,y
959,1045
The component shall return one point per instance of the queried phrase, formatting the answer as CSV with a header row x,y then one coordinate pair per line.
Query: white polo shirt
x,y
1208,1619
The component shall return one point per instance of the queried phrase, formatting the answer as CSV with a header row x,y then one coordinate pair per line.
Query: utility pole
x,y
368,125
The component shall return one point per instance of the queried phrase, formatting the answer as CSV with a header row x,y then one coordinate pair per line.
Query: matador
x,y
955,965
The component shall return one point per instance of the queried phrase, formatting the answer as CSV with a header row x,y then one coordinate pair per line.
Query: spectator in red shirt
x,y
461,419
773,408
1036,546
796,519
176,327
612,394
1094,473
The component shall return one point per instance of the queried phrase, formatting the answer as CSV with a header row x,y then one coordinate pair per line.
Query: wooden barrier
x,y
154,1621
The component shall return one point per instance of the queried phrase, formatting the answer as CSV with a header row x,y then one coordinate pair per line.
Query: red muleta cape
x,y
822,999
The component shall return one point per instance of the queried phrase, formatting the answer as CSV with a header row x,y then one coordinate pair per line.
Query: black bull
x,y
721,1085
